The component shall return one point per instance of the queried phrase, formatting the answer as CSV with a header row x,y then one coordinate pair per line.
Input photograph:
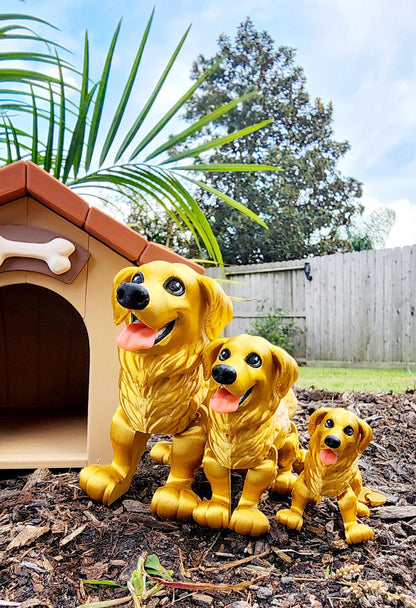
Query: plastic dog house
x,y
58,355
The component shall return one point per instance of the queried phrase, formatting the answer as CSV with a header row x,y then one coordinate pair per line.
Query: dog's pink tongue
x,y
328,457
224,402
136,336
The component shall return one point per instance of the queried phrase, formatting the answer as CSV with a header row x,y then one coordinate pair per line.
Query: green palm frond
x,y
121,108
53,113
216,142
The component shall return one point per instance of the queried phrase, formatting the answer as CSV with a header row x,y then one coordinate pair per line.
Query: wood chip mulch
x,y
53,538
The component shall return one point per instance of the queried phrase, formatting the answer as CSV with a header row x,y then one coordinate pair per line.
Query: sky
x,y
358,54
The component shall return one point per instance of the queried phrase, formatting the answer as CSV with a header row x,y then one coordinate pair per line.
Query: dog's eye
x,y
349,431
138,278
254,360
329,424
174,286
224,354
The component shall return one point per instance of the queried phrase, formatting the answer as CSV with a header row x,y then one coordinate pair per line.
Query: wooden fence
x,y
358,308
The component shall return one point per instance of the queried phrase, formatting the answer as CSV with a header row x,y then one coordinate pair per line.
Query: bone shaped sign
x,y
55,253
34,249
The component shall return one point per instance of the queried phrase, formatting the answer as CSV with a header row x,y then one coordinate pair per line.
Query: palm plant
x,y
52,114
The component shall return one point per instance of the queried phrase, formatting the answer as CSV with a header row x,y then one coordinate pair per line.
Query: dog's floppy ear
x,y
122,276
210,353
366,435
316,418
219,307
287,370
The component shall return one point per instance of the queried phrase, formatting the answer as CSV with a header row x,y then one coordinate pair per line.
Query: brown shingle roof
x,y
12,182
25,178
107,230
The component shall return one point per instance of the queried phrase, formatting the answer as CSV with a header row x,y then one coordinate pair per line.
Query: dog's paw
x,y
358,533
362,510
249,521
283,483
160,452
103,483
211,514
174,502
290,518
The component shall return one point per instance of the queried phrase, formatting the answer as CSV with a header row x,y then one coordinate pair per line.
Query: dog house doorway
x,y
44,375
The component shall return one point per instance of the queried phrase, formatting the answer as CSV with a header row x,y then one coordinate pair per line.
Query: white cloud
x,y
403,231
360,55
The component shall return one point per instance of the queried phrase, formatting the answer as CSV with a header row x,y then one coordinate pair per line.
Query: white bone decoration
x,y
55,253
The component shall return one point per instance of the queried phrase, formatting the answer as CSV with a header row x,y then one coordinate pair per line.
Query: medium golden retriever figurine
x,y
171,314
338,438
249,427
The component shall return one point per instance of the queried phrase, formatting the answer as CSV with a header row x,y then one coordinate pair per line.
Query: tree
x,y
371,232
158,228
305,204
57,122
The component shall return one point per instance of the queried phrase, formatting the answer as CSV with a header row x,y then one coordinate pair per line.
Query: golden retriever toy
x,y
249,428
338,438
171,314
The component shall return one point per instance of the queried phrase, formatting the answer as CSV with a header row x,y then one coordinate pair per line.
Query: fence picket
x,y
359,307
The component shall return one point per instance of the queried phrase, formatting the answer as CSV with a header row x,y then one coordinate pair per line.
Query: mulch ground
x,y
53,538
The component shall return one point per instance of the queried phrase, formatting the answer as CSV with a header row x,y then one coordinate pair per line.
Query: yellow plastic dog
x,y
338,439
249,427
171,314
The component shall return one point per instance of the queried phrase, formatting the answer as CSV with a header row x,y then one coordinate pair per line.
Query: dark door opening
x,y
44,374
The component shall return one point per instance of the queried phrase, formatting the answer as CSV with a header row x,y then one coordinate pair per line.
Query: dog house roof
x,y
26,178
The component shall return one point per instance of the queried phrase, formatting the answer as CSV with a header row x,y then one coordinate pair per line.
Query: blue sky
x,y
359,54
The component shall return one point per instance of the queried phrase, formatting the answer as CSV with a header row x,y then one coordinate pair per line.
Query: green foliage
x,y
372,232
358,241
274,326
149,577
141,584
64,123
304,205
158,228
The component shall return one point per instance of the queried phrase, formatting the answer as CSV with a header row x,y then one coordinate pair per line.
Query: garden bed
x,y
53,538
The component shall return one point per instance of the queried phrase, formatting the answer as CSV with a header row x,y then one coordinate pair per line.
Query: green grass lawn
x,y
351,379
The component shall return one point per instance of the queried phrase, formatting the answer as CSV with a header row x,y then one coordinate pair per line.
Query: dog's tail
x,y
290,402
299,463
371,498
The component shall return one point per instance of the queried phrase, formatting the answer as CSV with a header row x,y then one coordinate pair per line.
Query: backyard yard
x,y
59,548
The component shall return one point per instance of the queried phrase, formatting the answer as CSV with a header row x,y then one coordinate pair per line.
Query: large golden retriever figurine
x,y
171,314
249,427
338,439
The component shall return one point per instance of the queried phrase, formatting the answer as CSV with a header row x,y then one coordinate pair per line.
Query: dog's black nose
x,y
332,441
224,374
133,296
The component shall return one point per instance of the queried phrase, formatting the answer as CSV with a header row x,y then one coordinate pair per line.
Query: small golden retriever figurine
x,y
338,438
171,314
249,428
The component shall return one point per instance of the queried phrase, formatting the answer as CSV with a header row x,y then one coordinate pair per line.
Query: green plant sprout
x,y
149,577
273,325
